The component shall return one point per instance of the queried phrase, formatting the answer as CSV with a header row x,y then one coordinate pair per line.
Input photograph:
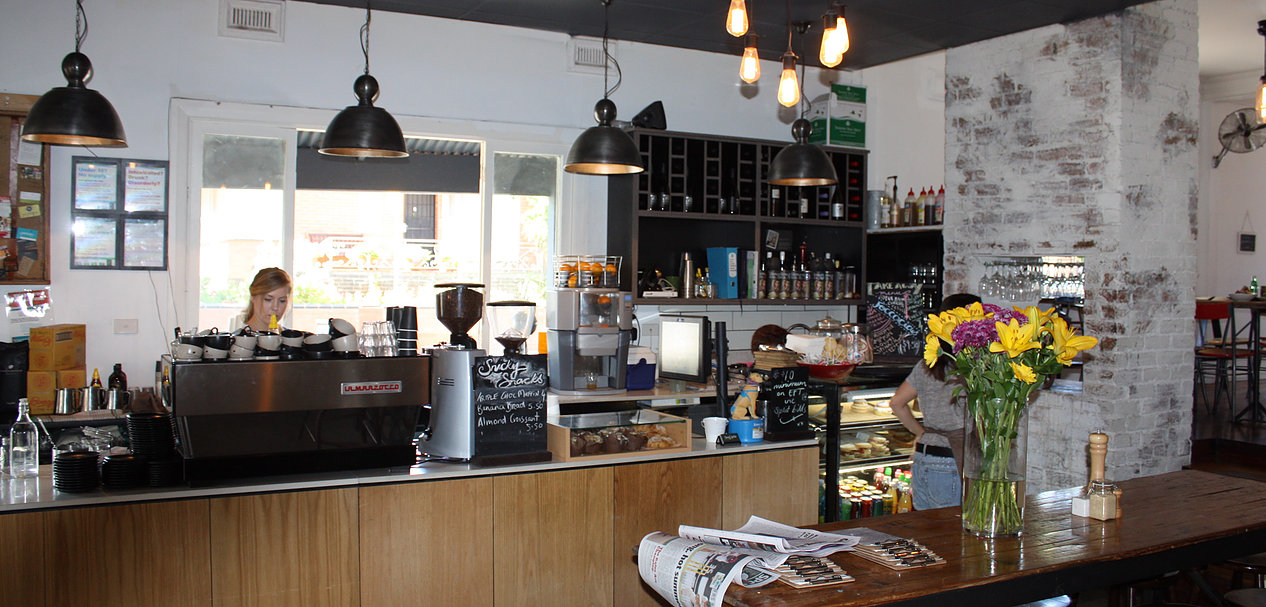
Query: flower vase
x,y
995,446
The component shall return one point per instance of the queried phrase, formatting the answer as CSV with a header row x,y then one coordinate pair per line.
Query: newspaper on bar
x,y
694,568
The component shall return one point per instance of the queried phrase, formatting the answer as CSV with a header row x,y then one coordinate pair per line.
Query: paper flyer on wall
x,y
695,567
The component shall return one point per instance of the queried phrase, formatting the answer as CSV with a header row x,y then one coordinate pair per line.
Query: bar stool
x,y
1253,564
1218,353
1246,597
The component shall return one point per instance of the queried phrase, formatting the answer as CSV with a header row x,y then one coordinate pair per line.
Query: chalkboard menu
x,y
786,406
897,319
509,400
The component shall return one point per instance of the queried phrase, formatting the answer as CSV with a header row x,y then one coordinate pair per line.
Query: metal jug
x,y
67,402
91,399
117,399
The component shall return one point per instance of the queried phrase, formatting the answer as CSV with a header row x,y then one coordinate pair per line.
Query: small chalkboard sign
x,y
785,393
509,401
894,312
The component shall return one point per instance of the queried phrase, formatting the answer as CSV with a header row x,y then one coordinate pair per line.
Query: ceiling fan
x,y
1240,132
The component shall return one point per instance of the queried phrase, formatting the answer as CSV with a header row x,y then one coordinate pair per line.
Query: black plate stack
x,y
75,471
123,471
151,435
164,472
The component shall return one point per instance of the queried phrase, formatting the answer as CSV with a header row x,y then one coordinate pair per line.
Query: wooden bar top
x,y
1170,521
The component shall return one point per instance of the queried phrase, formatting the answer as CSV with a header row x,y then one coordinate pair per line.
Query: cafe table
x,y
1170,522
1254,409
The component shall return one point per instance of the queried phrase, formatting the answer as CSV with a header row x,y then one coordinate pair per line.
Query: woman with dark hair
x,y
935,481
270,295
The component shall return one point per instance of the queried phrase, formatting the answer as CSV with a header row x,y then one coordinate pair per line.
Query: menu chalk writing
x,y
786,406
896,317
509,399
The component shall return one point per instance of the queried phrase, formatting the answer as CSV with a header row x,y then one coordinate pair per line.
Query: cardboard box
x,y
41,382
57,347
72,378
839,117
41,404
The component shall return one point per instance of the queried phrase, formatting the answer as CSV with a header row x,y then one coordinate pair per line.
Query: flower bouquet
x,y
1002,356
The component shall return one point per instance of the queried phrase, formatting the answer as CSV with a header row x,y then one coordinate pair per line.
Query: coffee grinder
x,y
588,339
450,431
512,323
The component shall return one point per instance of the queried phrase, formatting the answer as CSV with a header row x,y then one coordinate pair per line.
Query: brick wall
x,y
1081,139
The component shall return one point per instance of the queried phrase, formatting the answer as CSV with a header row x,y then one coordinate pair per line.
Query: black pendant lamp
x,y
75,114
604,149
362,130
802,163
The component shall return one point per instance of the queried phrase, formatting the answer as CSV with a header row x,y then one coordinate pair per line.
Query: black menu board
x,y
786,414
509,400
895,314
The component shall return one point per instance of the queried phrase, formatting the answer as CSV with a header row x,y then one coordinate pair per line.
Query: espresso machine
x,y
449,434
588,339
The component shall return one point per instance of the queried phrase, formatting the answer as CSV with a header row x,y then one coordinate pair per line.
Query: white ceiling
x,y
1229,42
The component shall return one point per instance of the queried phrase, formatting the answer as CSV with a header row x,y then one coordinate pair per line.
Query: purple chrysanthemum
x,y
974,333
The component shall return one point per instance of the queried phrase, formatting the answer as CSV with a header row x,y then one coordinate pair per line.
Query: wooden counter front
x,y
1171,521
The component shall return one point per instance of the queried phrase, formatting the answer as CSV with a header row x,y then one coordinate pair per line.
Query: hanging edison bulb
x,y
827,53
834,37
1261,101
749,68
788,85
736,18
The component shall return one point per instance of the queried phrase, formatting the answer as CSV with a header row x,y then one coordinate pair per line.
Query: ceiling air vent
x,y
253,19
584,55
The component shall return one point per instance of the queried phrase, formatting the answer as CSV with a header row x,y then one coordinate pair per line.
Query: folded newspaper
x,y
695,567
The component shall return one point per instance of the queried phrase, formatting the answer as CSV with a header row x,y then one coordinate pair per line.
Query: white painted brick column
x,y
1081,139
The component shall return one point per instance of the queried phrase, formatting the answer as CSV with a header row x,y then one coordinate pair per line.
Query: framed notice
x,y
24,198
119,211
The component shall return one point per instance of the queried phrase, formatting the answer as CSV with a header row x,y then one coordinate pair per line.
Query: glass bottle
x,y
24,444
96,378
117,379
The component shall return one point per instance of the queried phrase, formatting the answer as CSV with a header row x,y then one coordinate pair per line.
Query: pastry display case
x,y
859,438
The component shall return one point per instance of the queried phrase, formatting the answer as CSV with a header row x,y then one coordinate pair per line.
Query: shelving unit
x,y
702,191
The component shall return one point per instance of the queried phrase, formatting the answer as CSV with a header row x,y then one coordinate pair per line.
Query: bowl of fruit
x,y
1243,294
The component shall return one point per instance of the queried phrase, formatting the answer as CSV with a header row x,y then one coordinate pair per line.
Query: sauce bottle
x,y
118,379
96,379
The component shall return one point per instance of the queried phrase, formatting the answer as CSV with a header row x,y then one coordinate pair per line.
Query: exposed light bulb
x,y
749,68
827,53
736,19
840,37
788,85
1261,101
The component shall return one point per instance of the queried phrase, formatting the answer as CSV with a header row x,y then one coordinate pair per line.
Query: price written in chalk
x,y
509,396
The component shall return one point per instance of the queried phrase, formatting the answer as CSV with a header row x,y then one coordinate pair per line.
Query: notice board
x,y
898,322
509,399
786,413
24,204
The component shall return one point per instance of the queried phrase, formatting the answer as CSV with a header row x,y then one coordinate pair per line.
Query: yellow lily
x,y
942,326
1037,317
1023,373
932,350
975,311
1066,343
1014,339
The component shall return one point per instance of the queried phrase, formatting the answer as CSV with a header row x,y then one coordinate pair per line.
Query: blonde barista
x,y
270,295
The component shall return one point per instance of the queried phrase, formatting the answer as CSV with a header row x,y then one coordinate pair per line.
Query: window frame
x,y
190,119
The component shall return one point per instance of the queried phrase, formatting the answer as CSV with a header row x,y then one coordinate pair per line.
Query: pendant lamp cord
x,y
364,37
608,59
80,18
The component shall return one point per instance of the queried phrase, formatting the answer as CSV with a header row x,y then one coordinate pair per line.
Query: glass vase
x,y
994,454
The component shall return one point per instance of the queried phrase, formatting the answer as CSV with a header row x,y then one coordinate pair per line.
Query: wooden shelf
x,y
905,230
697,301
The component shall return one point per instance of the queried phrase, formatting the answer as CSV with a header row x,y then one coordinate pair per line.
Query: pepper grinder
x,y
1099,499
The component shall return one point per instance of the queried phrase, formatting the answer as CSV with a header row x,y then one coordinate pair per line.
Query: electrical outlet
x,y
125,326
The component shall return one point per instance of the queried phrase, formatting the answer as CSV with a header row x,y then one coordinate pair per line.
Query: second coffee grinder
x,y
450,433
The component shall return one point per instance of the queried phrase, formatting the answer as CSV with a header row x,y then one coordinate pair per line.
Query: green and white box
x,y
839,117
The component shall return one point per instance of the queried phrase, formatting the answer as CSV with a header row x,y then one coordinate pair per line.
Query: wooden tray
x,y
678,428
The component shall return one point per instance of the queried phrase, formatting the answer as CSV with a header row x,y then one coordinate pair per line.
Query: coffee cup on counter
x,y
185,351
240,353
269,341
340,327
293,338
246,342
213,353
219,341
318,342
344,343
